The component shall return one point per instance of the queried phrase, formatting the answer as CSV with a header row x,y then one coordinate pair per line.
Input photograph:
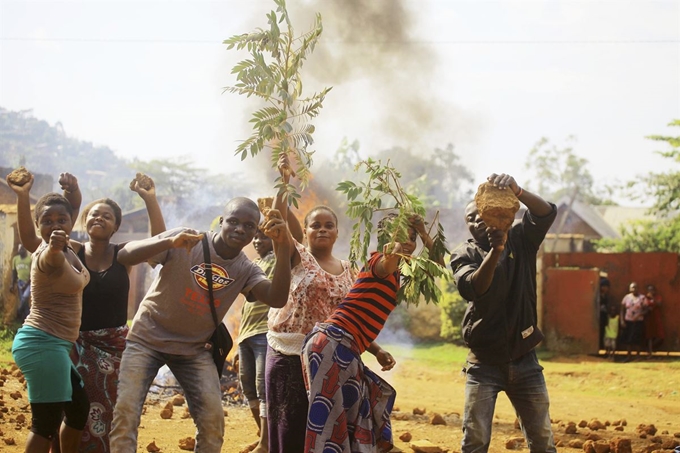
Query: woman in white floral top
x,y
319,281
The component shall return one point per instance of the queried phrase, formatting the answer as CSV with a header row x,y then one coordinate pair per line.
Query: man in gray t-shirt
x,y
174,320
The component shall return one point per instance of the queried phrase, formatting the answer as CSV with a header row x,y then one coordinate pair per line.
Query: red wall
x,y
659,269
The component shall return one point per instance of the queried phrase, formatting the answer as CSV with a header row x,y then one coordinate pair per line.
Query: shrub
x,y
452,310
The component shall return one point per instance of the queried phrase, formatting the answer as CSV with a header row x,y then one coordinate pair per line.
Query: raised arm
x,y
281,204
69,184
156,219
388,262
274,292
136,252
537,206
419,225
27,234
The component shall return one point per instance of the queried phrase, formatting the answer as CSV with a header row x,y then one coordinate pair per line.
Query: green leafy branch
x,y
273,74
383,192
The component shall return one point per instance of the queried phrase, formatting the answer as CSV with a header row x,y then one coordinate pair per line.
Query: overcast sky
x,y
492,77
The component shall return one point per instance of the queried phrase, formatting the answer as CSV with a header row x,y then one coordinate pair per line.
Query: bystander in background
x,y
21,282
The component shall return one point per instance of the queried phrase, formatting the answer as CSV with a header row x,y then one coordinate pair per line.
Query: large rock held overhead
x,y
19,176
497,207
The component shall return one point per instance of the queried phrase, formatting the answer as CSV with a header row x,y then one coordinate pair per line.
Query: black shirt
x,y
500,325
105,297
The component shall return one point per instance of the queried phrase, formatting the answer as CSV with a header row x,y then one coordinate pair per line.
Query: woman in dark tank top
x,y
103,328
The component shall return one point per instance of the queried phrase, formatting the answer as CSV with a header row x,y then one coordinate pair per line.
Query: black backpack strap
x,y
208,276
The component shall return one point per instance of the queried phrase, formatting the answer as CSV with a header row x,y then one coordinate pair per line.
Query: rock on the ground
x,y
620,445
419,411
575,443
601,446
670,444
437,419
571,428
595,425
177,400
514,443
152,447
425,446
188,443
647,429
589,446
406,437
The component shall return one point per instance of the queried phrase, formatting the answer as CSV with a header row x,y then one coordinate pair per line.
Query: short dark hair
x,y
386,221
52,199
117,212
241,201
321,207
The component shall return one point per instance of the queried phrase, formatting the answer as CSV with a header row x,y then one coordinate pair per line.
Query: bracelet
x,y
519,194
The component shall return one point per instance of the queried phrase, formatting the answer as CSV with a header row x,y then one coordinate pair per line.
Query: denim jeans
x,y
252,353
24,306
195,373
522,380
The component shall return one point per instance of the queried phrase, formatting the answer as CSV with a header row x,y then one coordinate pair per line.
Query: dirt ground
x,y
581,389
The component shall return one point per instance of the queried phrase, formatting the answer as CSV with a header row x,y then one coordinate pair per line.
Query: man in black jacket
x,y
495,272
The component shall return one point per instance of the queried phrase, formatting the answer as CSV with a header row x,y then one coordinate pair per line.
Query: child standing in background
x,y
252,343
611,332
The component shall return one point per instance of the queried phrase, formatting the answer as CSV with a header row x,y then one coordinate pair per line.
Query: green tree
x,y
176,178
273,75
439,179
645,236
559,172
661,235
664,187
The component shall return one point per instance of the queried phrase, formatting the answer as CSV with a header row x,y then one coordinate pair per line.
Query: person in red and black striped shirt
x,y
349,405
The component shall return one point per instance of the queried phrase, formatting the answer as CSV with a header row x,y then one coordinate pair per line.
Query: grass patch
x,y
435,355
6,338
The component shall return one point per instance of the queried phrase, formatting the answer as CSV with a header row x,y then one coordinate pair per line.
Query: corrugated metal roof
x,y
591,216
618,215
606,220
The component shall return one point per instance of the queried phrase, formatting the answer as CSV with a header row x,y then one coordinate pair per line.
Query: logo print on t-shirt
x,y
220,277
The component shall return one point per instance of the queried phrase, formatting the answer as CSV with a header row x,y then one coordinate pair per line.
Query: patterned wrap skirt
x,y
97,355
349,405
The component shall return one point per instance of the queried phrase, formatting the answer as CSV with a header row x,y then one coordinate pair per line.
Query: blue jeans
x,y
195,373
523,382
24,289
252,353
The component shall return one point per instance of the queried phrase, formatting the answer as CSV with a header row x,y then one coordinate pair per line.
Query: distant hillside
x,y
29,141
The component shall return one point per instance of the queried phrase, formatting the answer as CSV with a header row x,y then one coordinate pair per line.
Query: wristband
x,y
519,194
